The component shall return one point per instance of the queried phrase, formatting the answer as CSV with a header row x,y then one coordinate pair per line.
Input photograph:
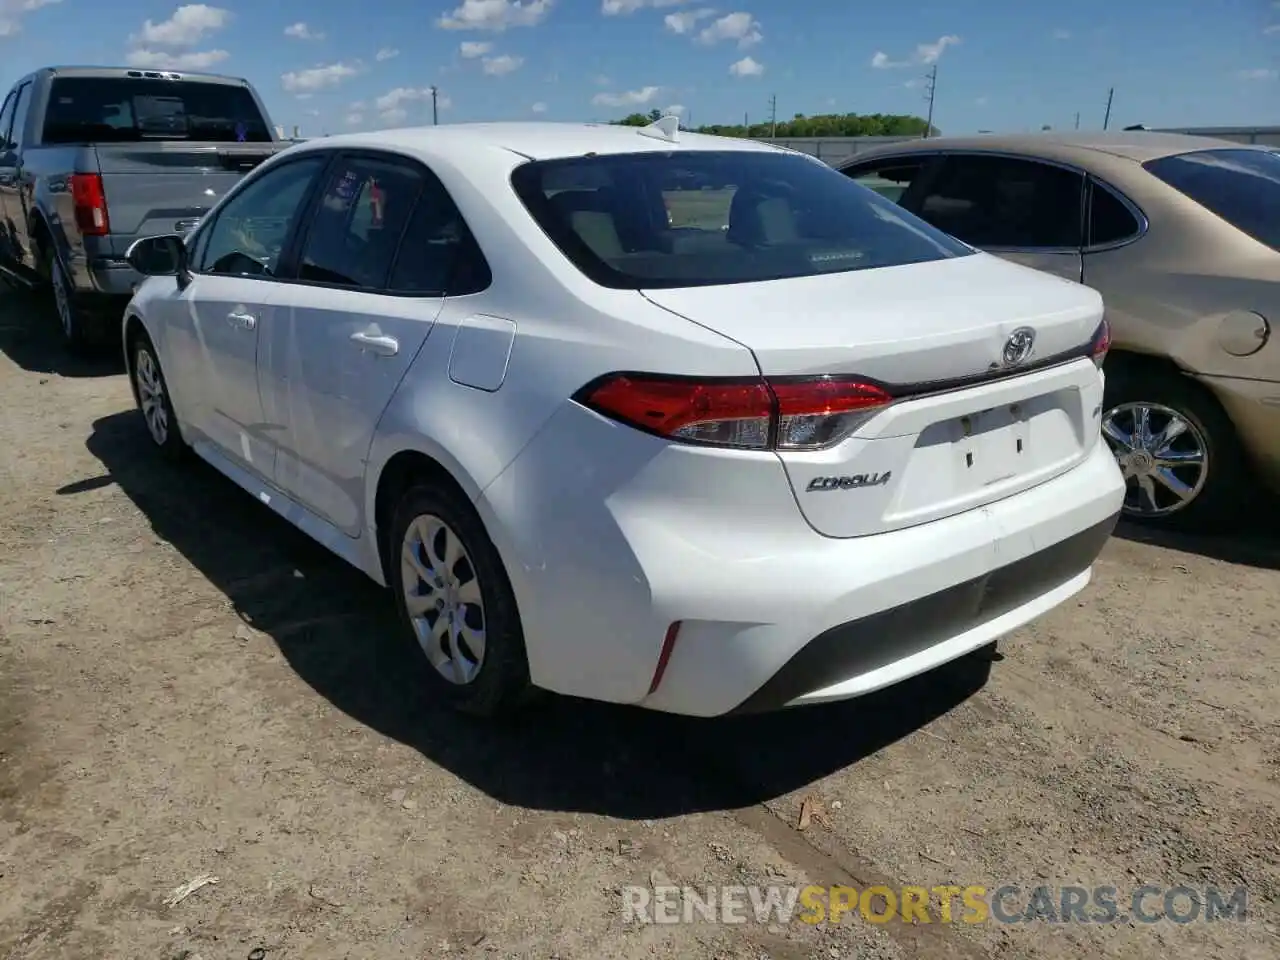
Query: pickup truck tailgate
x,y
164,187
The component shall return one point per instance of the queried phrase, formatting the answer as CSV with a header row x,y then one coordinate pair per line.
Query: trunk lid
x,y
157,187
964,431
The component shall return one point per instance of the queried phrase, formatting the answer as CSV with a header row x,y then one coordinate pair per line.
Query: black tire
x,y
1226,473
73,324
142,357
500,685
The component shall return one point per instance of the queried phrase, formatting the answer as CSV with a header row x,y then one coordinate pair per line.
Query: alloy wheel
x,y
443,598
151,396
1163,455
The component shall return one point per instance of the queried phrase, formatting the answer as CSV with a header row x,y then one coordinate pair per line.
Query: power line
x,y
931,86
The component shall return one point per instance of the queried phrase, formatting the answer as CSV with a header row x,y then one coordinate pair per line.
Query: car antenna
x,y
667,128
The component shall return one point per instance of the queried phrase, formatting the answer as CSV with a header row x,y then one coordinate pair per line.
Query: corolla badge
x,y
1017,349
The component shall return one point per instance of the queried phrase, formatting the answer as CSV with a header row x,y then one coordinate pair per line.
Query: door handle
x,y
246,321
376,343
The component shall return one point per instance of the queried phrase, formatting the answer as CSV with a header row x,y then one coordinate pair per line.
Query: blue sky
x,y
333,65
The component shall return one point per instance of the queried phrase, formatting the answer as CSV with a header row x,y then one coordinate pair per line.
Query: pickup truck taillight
x,y
90,204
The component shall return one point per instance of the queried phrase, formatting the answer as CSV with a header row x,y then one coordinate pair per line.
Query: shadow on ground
x,y
29,336
1254,542
338,631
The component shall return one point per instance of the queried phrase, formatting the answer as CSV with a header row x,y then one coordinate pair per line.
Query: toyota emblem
x,y
1018,347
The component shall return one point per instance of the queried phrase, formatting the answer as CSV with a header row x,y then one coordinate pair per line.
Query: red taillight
x,y
1100,343
755,414
90,202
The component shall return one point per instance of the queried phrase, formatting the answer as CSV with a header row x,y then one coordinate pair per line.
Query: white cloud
x,y
685,20
470,49
1061,34
674,110
981,101
741,27
187,27
926,53
11,13
386,53
496,15
1274,28
500,66
932,52
318,78
614,8
1260,73
300,31
539,107
171,60
601,80
393,105
915,83
355,119
746,67
627,98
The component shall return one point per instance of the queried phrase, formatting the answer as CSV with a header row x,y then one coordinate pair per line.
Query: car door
x,y
1024,210
8,180
212,321
368,283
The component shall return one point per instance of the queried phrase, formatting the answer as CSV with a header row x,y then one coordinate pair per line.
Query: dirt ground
x,y
188,687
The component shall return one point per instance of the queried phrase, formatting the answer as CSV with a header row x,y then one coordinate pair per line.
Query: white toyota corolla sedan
x,y
636,415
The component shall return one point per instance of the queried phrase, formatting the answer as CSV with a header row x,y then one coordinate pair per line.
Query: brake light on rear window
x,y
793,413
1100,343
90,203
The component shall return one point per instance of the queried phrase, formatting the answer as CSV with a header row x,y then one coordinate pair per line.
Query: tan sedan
x,y
1181,236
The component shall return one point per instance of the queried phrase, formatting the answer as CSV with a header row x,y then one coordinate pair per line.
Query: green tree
x,y
802,125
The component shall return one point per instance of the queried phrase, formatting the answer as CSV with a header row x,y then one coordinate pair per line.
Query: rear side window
x,y
438,254
1240,186
891,179
1109,219
352,238
992,201
699,218
131,109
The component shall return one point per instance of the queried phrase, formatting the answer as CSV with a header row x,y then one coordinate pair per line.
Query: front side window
x,y
352,238
1240,186
891,178
17,136
250,230
6,118
698,218
132,109
993,202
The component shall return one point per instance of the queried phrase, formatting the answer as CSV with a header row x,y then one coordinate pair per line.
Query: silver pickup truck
x,y
91,158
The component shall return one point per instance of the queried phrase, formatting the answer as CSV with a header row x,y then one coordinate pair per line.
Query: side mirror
x,y
164,256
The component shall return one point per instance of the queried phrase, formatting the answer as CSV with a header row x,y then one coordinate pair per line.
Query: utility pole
x,y
773,116
1077,119
435,112
931,85
1106,121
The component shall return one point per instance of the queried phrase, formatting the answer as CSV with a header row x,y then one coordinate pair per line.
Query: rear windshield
x,y
130,109
1240,186
699,218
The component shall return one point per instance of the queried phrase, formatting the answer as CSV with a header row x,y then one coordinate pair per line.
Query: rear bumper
x,y
607,545
110,277
1254,409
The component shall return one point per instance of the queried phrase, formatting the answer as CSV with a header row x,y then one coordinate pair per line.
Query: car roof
x,y
1137,145
538,140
